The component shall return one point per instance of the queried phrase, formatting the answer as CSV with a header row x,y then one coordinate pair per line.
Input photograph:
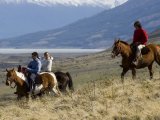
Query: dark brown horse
x,y
123,48
46,82
64,79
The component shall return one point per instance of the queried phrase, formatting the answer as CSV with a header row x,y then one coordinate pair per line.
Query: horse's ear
x,y
119,39
115,40
13,69
7,70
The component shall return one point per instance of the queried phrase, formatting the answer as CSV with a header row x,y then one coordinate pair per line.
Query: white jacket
x,y
47,64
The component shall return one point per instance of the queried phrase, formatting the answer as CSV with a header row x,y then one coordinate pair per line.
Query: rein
x,y
15,81
14,85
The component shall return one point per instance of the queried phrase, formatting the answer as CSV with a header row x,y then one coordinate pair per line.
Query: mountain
x,y
19,17
98,31
155,36
102,3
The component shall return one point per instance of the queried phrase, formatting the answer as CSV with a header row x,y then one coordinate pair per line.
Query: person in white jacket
x,y
47,63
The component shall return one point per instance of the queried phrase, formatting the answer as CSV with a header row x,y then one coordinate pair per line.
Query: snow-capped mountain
x,y
19,17
100,3
98,31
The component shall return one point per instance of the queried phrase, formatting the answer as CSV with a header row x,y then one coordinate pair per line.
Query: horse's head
x,y
120,47
10,77
116,48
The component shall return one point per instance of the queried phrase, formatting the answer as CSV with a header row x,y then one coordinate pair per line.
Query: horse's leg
x,y
19,97
123,73
64,87
150,70
133,73
56,90
27,97
45,86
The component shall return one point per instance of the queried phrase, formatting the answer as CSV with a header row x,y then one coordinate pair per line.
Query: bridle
x,y
10,80
116,49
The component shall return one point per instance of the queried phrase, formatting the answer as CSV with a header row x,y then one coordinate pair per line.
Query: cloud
x,y
110,3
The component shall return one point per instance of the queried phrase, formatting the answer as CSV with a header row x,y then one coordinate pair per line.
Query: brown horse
x,y
20,81
46,82
123,48
64,79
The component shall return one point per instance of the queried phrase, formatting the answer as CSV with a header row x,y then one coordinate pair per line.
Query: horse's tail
x,y
70,83
157,54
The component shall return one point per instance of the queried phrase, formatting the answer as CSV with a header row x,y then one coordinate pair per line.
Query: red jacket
x,y
140,35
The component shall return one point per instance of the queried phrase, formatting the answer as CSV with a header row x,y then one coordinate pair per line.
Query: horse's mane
x,y
124,42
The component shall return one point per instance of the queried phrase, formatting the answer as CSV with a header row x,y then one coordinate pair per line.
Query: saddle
x,y
37,79
144,50
22,70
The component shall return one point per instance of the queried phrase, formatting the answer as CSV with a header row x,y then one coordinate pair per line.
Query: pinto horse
x,y
123,48
46,82
64,79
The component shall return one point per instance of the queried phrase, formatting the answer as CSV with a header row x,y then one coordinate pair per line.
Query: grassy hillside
x,y
105,99
155,36
97,31
99,94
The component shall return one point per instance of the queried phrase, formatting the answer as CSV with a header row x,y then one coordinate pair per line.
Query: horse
x,y
44,82
21,82
64,79
123,48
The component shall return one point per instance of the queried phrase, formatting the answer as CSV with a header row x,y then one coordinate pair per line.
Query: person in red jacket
x,y
140,39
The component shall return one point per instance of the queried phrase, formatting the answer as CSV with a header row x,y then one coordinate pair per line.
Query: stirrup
x,y
135,63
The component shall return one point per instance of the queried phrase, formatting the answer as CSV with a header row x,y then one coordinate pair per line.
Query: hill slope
x,y
94,32
97,31
155,36
46,14
99,94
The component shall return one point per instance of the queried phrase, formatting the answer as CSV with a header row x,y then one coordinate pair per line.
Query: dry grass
x,y
102,99
99,95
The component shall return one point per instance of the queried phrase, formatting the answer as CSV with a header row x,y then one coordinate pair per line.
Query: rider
x,y
47,62
33,68
140,39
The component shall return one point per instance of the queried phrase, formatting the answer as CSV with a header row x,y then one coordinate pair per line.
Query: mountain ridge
x,y
102,3
98,31
38,16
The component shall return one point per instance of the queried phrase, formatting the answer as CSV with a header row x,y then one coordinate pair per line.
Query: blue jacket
x,y
34,66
